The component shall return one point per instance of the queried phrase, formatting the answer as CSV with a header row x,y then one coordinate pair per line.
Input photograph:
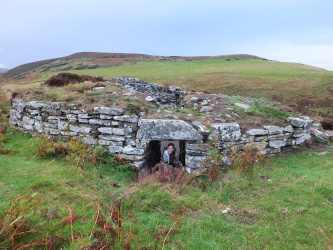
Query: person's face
x,y
170,149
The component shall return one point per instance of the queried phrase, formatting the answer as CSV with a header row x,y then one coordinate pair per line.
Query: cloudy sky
x,y
284,30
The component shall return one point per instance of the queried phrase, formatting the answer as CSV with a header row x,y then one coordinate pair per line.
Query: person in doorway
x,y
170,155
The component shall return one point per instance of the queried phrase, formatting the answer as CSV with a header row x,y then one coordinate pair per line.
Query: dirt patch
x,y
1,183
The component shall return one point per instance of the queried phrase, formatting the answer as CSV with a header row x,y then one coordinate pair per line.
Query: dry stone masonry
x,y
162,96
129,136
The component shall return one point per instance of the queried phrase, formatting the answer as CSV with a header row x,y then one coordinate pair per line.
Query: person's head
x,y
171,148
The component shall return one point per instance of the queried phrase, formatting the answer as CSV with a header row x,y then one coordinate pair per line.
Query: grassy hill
x,y
307,88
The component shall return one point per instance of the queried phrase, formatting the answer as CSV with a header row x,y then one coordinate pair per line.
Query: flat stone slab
x,y
274,130
243,105
203,130
300,123
257,132
317,133
160,129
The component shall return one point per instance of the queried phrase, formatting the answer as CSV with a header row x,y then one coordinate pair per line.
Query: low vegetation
x,y
327,124
286,204
267,112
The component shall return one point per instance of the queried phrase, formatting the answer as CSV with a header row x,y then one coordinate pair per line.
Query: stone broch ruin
x,y
137,140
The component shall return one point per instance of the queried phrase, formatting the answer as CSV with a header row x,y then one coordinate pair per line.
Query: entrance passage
x,y
159,130
154,153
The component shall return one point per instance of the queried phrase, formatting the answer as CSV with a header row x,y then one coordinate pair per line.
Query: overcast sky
x,y
284,30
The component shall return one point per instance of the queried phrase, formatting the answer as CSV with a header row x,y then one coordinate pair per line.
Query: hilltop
x,y
306,88
95,60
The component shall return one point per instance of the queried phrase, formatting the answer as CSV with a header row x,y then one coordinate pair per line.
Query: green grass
x,y
246,77
267,112
289,206
253,78
169,72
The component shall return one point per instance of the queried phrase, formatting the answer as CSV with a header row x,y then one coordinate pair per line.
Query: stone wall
x,y
269,139
105,126
129,137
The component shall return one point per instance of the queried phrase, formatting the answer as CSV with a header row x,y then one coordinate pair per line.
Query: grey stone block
x,y
105,130
227,131
100,122
80,129
115,149
203,130
160,129
127,118
274,130
277,144
257,132
109,111
118,131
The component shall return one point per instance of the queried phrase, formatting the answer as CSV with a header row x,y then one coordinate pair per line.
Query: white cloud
x,y
2,65
315,55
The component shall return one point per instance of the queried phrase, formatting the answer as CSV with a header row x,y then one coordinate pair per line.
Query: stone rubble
x,y
162,96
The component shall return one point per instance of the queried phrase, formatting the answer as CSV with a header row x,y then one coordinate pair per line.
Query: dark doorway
x,y
152,155
154,152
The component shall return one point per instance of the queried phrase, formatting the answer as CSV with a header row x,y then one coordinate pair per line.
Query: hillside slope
x,y
304,87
